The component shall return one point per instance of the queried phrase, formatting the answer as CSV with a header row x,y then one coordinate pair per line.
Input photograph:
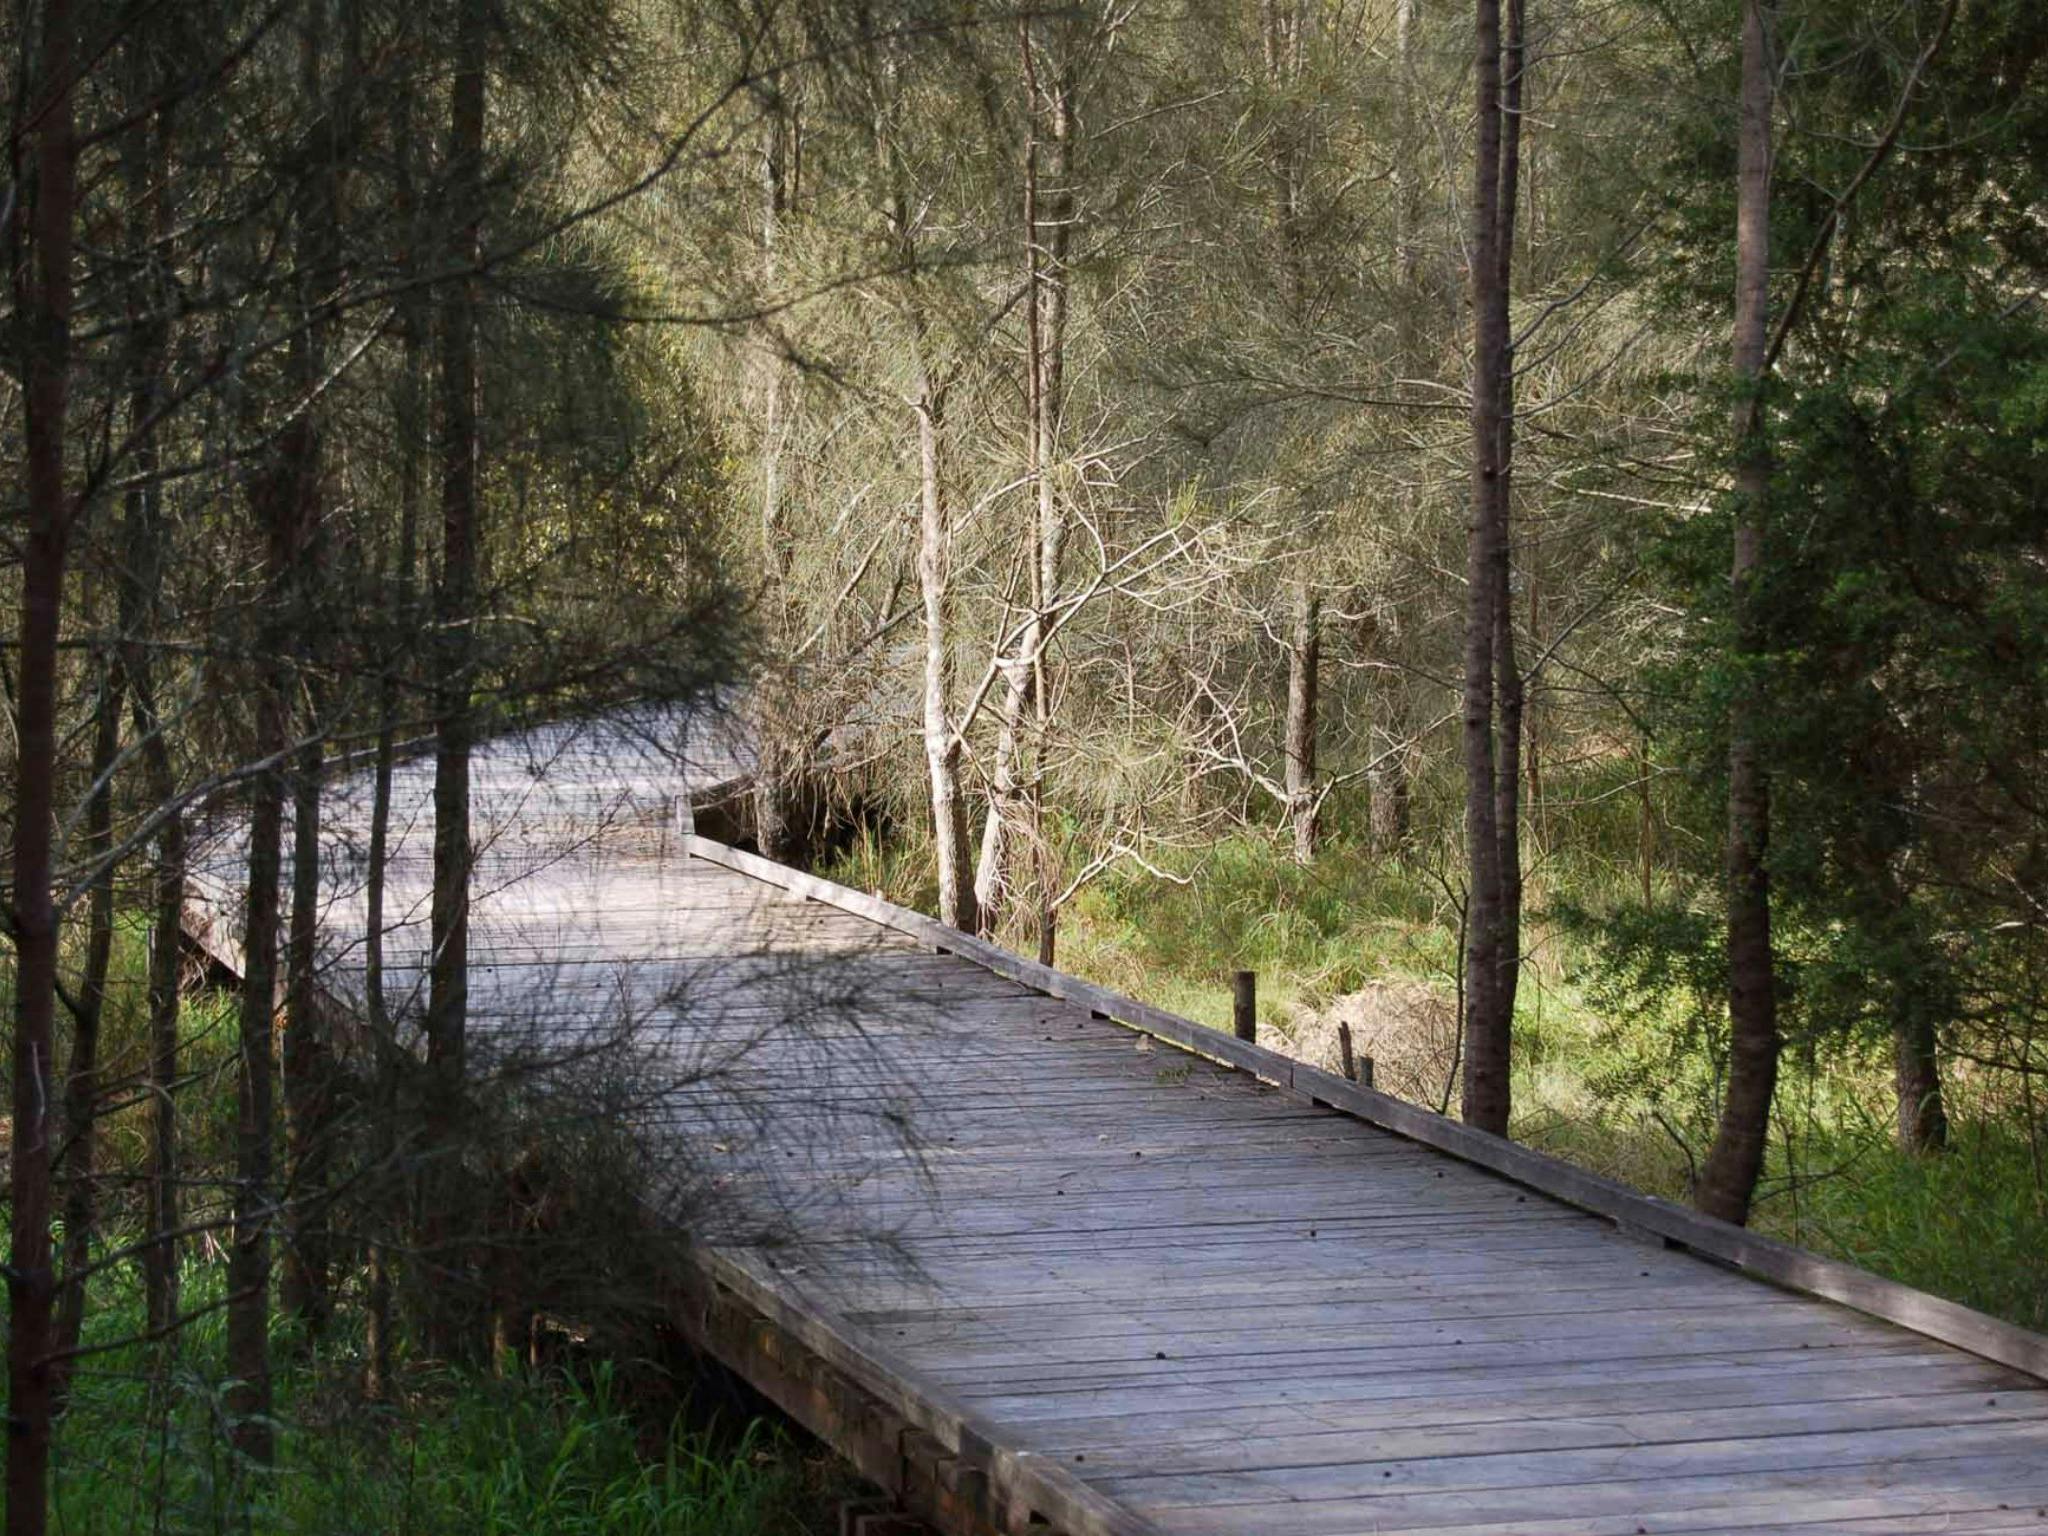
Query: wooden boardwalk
x,y
1041,1259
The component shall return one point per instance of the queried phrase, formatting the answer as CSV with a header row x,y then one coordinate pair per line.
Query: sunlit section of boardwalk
x,y
1037,1270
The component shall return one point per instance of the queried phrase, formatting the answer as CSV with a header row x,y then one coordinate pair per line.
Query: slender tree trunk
x,y
166,963
1389,810
1283,32
448,981
1407,184
309,1060
1916,1073
43,313
388,1058
1507,675
248,1269
447,1019
1388,783
82,1080
993,885
1532,747
309,1066
1017,790
1304,664
1056,240
1736,1159
1487,1025
781,827
145,166
941,744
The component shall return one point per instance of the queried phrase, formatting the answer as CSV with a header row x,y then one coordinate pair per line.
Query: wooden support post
x,y
1244,1009
1365,1071
1344,1055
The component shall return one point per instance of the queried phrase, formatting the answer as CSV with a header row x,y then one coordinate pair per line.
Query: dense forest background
x,y
1526,523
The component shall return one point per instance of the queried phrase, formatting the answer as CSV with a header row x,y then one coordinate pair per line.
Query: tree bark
x,y
309,1066
1736,1159
43,313
782,829
942,746
308,1060
448,982
249,1400
411,406
166,964
1304,665
410,410
1507,675
1388,783
1389,811
145,165
82,1079
1487,1025
1916,1074
1017,790
455,599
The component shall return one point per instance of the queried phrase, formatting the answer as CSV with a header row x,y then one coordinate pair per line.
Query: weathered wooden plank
x,y
1780,1263
1403,1443
1075,1505
1815,1454
1771,1374
1152,1437
980,1220
1653,1505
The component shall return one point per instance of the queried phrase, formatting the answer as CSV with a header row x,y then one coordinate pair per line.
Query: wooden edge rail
x,y
1677,1226
904,1433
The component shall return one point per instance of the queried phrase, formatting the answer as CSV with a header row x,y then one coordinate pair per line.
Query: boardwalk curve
x,y
1039,1258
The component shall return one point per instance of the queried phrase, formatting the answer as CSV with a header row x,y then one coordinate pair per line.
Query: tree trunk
x,y
1389,812
1507,675
309,1061
447,1019
145,167
1736,1159
411,407
248,1278
309,1067
166,963
1487,1025
1283,32
942,746
448,983
781,824
1017,798
1916,1073
43,314
82,1079
1304,660
1055,240
1388,783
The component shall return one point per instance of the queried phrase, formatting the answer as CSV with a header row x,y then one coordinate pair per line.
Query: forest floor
x,y
1630,1094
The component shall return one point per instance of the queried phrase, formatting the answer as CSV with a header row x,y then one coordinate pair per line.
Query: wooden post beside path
x,y
1244,1010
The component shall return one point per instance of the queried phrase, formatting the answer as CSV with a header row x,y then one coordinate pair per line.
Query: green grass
x,y
145,1447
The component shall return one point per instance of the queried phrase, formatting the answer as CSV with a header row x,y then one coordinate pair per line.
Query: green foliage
x,y
1971,1225
144,1446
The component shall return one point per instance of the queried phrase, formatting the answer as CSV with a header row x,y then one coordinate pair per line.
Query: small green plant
x,y
144,1446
